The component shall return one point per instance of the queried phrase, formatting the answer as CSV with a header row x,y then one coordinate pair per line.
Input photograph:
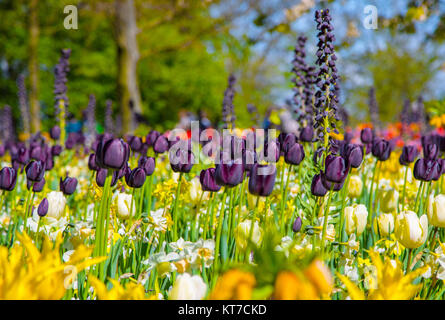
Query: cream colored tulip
x,y
187,287
356,219
436,210
242,233
123,205
410,230
386,224
355,186
56,204
389,200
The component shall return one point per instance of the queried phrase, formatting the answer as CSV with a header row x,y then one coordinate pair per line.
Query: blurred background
x,y
172,56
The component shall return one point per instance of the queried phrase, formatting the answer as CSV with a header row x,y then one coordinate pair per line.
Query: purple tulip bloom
x,y
42,209
8,178
208,180
68,185
35,170
148,164
136,178
112,154
262,179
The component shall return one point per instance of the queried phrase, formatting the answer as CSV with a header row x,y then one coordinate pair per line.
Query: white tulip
x,y
187,287
242,233
410,230
56,204
124,204
356,219
436,210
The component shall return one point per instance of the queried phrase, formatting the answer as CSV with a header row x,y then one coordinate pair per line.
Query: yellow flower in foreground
x,y
234,285
26,273
319,274
133,291
391,282
290,286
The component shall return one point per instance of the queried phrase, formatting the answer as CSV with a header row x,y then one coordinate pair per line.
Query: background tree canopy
x,y
187,48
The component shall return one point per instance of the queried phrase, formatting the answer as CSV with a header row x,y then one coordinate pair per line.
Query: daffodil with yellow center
x,y
391,282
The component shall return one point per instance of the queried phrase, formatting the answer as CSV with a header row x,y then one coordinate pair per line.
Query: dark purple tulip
x,y
42,209
68,185
124,172
317,187
249,159
381,149
92,162
148,164
36,186
208,180
144,149
353,153
35,170
296,226
262,179
288,141
336,168
329,185
275,149
152,137
409,154
294,155
135,143
348,136
136,178
182,160
112,154
430,151
366,135
55,133
8,178
229,174
49,163
161,145
101,176
23,155
427,169
36,153
307,134
56,150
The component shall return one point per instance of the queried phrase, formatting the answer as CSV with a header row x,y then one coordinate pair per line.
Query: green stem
x,y
404,189
325,222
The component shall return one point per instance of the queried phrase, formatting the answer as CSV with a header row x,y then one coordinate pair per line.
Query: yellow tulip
x,y
355,186
389,200
355,219
410,230
386,224
436,210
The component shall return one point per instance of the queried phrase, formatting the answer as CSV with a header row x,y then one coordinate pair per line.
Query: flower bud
x,y
136,178
55,132
150,139
294,154
307,134
112,154
148,164
288,141
242,234
262,179
182,160
436,210
386,224
366,135
56,204
92,165
68,185
36,186
353,153
161,145
427,169
8,178
381,149
410,230
336,169
389,200
409,154
35,170
42,210
356,218
135,143
187,287
123,202
56,150
229,174
355,186
317,187
208,180
296,226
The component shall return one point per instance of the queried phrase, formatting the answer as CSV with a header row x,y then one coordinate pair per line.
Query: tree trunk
x,y
128,56
33,66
